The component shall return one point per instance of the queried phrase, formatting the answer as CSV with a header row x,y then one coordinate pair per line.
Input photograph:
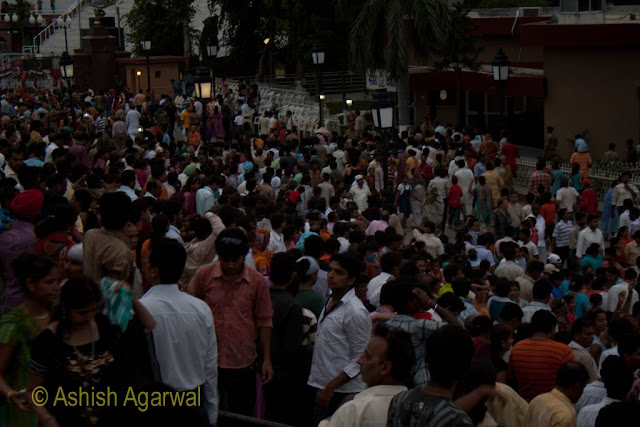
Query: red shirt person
x,y
241,306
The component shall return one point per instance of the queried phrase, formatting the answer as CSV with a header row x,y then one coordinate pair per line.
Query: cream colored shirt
x,y
507,407
585,359
368,408
553,409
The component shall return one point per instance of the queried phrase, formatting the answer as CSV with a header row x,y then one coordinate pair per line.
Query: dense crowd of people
x,y
168,245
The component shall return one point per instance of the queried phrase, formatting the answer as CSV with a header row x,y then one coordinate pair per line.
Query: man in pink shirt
x,y
241,307
378,225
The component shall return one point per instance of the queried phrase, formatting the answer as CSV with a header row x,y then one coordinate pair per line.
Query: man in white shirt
x,y
567,197
207,195
591,234
618,379
127,184
344,329
238,121
624,191
541,226
433,244
390,265
132,122
386,374
541,297
465,181
276,239
187,364
582,332
58,142
360,193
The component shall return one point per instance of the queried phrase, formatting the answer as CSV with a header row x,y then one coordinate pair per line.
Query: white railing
x,y
50,29
601,176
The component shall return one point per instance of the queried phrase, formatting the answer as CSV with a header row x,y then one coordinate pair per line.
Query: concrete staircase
x,y
51,40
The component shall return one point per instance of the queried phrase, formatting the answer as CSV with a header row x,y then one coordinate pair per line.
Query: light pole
x,y
317,55
203,85
320,102
66,70
212,52
501,68
138,74
382,112
9,19
33,20
266,43
349,103
65,23
146,46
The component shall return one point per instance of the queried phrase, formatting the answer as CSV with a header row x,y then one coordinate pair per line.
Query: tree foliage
x,y
294,25
459,47
383,30
22,8
162,21
485,4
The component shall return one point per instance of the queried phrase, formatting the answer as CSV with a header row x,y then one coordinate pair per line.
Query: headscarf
x,y
262,240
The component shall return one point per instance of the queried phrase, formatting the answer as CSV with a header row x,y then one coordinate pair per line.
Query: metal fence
x,y
601,176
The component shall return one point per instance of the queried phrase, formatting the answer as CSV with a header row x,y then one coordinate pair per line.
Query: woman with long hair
x,y
82,350
39,278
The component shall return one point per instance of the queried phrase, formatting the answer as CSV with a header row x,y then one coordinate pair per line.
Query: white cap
x,y
554,259
313,265
75,252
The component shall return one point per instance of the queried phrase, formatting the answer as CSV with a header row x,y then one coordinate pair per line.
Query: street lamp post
x,y
146,46
349,103
66,70
266,43
203,86
138,74
212,52
501,68
382,112
320,103
9,19
39,20
317,55
65,23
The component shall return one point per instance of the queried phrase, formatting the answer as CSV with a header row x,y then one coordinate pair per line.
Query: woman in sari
x,y
261,255
39,277
484,200
434,206
82,350
218,125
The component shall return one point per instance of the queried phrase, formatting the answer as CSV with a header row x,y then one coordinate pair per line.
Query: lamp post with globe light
x,y
501,67
66,70
382,112
203,89
212,54
65,23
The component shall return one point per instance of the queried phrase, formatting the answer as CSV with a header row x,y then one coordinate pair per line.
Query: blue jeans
x,y
454,217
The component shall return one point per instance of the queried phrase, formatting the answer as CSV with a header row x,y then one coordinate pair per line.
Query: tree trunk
x,y
402,86
262,63
186,46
